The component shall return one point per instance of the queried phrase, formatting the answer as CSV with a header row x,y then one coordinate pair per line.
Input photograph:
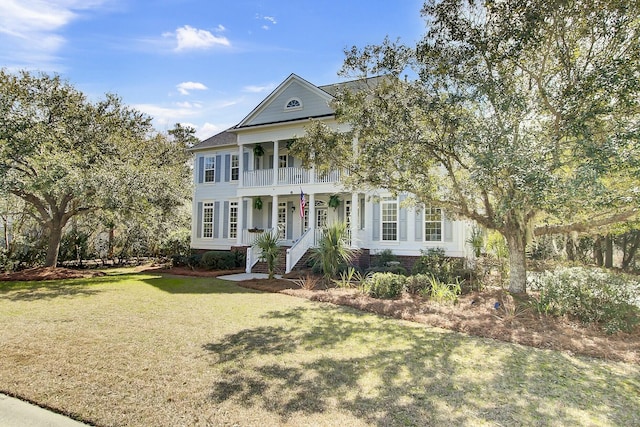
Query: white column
x,y
312,212
276,154
241,166
240,216
355,215
274,212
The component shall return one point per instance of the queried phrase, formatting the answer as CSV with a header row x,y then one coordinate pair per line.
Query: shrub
x,y
218,260
194,260
419,284
332,251
267,242
383,258
434,262
442,292
395,269
384,285
589,295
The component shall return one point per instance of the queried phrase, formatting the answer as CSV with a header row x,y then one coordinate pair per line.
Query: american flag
x,y
303,203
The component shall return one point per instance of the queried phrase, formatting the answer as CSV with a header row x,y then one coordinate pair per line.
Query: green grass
x,y
142,349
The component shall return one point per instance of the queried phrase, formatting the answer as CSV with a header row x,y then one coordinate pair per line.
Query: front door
x,y
321,218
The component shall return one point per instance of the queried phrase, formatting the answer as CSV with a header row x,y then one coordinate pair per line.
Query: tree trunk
x,y
53,246
516,241
630,248
598,256
571,248
608,251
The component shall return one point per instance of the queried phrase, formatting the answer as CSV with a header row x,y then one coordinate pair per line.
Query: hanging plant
x,y
258,151
334,201
257,203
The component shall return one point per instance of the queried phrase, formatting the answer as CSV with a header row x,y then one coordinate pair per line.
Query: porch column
x,y
241,166
274,212
312,211
276,154
355,215
240,228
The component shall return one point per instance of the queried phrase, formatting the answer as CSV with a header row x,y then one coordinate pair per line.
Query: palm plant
x,y
332,250
268,243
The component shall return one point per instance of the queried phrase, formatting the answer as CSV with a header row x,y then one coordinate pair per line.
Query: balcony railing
x,y
289,176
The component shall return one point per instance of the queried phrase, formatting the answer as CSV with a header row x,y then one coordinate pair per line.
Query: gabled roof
x,y
352,85
271,110
219,140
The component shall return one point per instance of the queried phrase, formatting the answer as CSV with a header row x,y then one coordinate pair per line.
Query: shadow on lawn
x,y
39,290
195,285
388,373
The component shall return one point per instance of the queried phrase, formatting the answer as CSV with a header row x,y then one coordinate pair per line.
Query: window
x,y
282,161
235,167
282,220
433,224
389,208
293,104
347,213
233,220
207,219
210,169
361,213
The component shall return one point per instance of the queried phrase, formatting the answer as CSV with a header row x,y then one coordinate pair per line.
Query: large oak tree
x,y
65,155
520,115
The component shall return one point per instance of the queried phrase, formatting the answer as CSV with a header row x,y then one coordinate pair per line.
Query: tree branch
x,y
584,226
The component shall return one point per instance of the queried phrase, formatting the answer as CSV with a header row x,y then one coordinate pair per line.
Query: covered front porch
x,y
298,221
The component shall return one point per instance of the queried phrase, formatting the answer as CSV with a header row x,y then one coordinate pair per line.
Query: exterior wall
x,y
366,226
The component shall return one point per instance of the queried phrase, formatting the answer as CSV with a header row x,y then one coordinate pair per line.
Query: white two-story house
x,y
247,183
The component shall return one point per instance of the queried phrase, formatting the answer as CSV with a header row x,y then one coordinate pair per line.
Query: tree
x,y
332,251
66,156
522,116
267,242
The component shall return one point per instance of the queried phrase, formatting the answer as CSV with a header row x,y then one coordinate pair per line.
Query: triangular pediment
x,y
293,99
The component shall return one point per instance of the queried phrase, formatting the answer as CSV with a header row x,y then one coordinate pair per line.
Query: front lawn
x,y
146,349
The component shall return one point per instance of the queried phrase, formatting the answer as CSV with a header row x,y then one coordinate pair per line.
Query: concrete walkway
x,y
247,276
17,413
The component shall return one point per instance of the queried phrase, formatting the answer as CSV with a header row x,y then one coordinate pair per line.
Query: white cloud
x,y
188,38
209,129
30,28
270,19
185,87
258,89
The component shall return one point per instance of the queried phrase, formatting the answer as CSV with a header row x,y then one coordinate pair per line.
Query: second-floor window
x,y
282,161
210,169
389,216
235,167
432,224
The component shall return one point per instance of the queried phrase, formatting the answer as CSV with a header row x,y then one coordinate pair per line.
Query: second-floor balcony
x,y
289,176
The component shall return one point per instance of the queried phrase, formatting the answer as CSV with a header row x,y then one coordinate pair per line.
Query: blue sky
x,y
205,63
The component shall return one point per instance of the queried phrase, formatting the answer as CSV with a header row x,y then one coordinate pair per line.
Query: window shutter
x,y
245,161
245,215
376,221
289,221
402,218
290,161
199,221
448,228
270,162
269,214
225,221
419,224
227,167
216,220
218,168
200,169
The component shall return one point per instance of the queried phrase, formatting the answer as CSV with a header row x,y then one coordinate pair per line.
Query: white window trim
x,y
208,205
428,208
296,108
213,170
232,205
389,200
234,167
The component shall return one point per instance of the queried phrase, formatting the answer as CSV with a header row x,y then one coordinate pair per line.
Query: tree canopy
x,y
522,116
65,155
